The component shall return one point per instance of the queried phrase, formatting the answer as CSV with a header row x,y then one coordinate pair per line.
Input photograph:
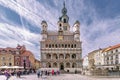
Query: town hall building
x,y
61,48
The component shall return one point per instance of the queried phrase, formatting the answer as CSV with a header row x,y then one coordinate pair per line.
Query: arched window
x,y
65,45
68,65
48,65
56,45
74,65
55,56
68,45
60,25
74,56
62,45
49,45
67,56
48,56
61,56
55,65
52,45
72,46
65,21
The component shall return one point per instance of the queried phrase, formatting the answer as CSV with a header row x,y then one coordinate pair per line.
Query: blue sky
x,y
20,22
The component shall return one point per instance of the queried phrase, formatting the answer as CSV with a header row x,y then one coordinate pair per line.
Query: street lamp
x,y
24,64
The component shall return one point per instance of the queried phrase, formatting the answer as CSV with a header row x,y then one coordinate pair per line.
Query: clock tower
x,y
63,20
61,49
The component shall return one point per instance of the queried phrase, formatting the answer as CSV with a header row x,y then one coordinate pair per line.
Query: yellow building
x,y
91,60
28,60
6,58
17,57
37,64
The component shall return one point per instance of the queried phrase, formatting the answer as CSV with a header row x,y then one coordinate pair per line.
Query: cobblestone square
x,y
60,77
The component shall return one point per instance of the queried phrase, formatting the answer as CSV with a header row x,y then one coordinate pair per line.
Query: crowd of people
x,y
18,72
9,73
40,73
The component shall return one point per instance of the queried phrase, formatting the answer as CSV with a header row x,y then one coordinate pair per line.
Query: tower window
x,y
60,25
64,20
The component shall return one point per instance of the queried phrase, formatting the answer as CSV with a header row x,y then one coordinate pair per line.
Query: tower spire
x,y
63,20
64,4
64,10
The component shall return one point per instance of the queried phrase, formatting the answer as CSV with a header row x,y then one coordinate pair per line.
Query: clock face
x,y
64,11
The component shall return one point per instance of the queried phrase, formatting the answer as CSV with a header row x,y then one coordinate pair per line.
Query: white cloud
x,y
31,10
108,29
11,36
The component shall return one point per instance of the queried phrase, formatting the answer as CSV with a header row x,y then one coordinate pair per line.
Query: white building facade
x,y
85,62
99,58
61,49
112,57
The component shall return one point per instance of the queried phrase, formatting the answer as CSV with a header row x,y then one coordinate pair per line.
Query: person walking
x,y
7,74
52,72
38,73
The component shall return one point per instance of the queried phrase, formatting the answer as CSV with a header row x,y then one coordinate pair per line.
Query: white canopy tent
x,y
11,67
5,67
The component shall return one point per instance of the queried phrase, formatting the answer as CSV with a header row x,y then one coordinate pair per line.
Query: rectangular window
x,y
116,50
111,51
116,56
46,45
3,58
111,57
111,62
9,58
116,62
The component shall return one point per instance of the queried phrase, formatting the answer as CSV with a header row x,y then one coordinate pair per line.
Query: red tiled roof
x,y
27,53
112,47
8,49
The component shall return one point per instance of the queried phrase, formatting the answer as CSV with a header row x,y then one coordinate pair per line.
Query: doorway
x,y
62,66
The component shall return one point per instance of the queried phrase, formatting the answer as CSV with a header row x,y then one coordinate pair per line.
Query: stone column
x,y
64,55
58,56
70,56
51,56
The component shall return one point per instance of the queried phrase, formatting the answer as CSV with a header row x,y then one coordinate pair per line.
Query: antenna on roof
x,y
64,3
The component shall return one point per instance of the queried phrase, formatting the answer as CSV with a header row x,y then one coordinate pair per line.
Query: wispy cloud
x,y
10,36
